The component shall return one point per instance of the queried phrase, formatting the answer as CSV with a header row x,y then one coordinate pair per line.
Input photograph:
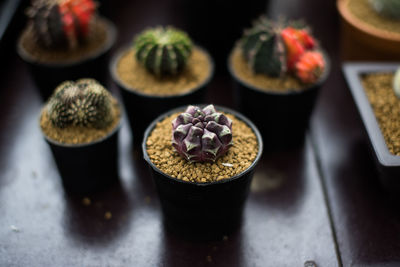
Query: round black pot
x,y
202,210
90,167
216,25
142,108
282,117
47,76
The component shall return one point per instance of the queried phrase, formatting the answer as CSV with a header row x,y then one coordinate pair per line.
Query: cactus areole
x,y
201,135
163,51
61,23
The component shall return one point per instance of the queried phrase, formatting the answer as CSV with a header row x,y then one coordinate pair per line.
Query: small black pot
x,y
282,117
90,167
216,25
202,210
388,165
48,76
142,108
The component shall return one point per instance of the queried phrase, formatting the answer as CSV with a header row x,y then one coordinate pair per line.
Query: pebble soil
x,y
239,157
386,106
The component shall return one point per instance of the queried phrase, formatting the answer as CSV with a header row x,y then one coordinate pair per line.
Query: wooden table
x,y
319,204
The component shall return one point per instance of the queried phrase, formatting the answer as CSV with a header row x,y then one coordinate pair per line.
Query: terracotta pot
x,y
388,165
203,210
361,41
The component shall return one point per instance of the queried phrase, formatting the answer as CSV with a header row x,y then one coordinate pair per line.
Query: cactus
x,y
275,48
310,66
83,103
163,51
61,23
387,8
263,49
201,135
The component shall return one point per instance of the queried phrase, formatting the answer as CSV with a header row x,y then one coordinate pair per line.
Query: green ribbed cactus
x,y
82,103
263,49
163,51
387,8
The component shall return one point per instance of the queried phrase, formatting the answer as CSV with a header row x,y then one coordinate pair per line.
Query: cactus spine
x,y
163,51
200,135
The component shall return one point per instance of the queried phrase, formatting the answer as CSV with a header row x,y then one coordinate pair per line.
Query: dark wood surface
x,y
316,205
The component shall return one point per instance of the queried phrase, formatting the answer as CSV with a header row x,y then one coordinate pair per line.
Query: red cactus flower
x,y
294,48
310,66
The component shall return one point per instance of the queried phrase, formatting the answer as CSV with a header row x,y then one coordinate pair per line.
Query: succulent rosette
x,y
277,48
201,135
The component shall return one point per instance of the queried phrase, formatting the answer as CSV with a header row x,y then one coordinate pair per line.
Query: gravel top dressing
x,y
96,42
239,157
136,77
386,106
261,81
363,11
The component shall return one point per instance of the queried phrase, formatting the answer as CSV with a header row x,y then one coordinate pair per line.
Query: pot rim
x,y
220,108
364,27
110,40
82,145
315,85
352,72
121,51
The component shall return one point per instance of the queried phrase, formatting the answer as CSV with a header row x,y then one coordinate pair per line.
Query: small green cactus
x,y
387,8
82,103
263,49
163,51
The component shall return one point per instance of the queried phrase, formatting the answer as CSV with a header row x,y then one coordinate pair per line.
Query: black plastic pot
x,y
202,210
388,165
282,117
48,76
217,24
142,108
90,167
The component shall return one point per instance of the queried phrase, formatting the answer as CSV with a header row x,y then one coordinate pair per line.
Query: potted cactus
x,y
65,40
277,68
203,175
162,69
80,122
370,29
375,88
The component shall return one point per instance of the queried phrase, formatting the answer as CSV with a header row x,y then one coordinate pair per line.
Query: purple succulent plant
x,y
201,135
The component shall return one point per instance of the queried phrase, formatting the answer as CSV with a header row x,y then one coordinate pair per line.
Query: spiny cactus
x,y
275,48
200,135
388,8
61,23
263,48
163,51
82,103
